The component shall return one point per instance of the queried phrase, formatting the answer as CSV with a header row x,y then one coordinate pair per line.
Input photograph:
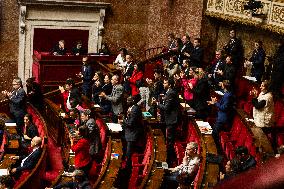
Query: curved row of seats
x,y
33,177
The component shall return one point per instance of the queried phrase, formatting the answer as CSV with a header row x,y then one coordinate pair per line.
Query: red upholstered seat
x,y
23,176
103,130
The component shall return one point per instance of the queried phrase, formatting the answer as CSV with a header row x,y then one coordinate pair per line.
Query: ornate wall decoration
x,y
270,17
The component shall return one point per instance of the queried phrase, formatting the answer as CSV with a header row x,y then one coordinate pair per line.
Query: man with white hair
x,y
184,173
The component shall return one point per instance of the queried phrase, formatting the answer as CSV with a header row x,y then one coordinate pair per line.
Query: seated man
x,y
185,173
28,162
246,161
79,49
59,49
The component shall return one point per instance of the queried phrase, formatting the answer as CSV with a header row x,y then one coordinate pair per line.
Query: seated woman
x,y
185,173
81,145
263,109
29,131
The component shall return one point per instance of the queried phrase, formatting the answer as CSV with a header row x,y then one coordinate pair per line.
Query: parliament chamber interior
x,y
135,94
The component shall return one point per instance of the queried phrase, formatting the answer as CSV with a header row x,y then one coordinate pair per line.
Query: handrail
x,y
104,167
151,163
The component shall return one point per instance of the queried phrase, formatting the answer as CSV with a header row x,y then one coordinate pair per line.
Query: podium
x,y
51,71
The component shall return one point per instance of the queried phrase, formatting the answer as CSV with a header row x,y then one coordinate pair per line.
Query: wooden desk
x,y
111,173
160,153
7,161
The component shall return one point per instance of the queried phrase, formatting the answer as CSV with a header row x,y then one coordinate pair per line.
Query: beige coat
x,y
264,117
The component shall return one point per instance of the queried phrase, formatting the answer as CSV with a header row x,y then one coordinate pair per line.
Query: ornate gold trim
x,y
244,21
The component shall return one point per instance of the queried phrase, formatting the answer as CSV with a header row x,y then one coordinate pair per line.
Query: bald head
x,y
36,141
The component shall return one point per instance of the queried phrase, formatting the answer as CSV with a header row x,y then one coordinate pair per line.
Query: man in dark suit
x,y
196,56
257,60
170,109
234,48
27,162
225,112
86,75
115,98
132,125
127,73
17,102
186,49
217,64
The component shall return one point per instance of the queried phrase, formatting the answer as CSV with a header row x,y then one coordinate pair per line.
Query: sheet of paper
x,y
10,124
96,106
4,172
114,127
184,105
219,93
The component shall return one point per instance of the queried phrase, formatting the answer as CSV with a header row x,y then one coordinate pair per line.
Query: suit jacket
x,y
133,124
74,94
170,107
116,99
196,56
225,108
18,102
30,162
186,48
106,104
32,131
128,70
257,59
235,48
201,95
87,73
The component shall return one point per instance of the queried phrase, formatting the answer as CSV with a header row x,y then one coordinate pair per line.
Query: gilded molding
x,y
271,16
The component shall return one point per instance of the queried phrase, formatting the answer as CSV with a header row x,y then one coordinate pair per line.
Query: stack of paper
x,y
114,127
184,105
219,93
96,106
204,127
10,124
4,172
250,78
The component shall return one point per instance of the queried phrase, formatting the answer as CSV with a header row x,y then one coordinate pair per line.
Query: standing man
x,y
257,61
234,48
133,127
196,56
186,48
115,97
127,73
17,102
86,74
170,108
225,112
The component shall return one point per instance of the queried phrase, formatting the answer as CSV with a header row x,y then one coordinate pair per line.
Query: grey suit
x,y
116,99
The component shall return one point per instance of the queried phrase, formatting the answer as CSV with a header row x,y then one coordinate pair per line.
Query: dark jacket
x,y
58,50
18,102
170,107
106,104
235,48
30,162
32,131
201,94
133,126
81,51
225,108
196,56
257,59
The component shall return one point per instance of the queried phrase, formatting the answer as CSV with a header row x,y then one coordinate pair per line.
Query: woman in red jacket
x,y
81,146
136,77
